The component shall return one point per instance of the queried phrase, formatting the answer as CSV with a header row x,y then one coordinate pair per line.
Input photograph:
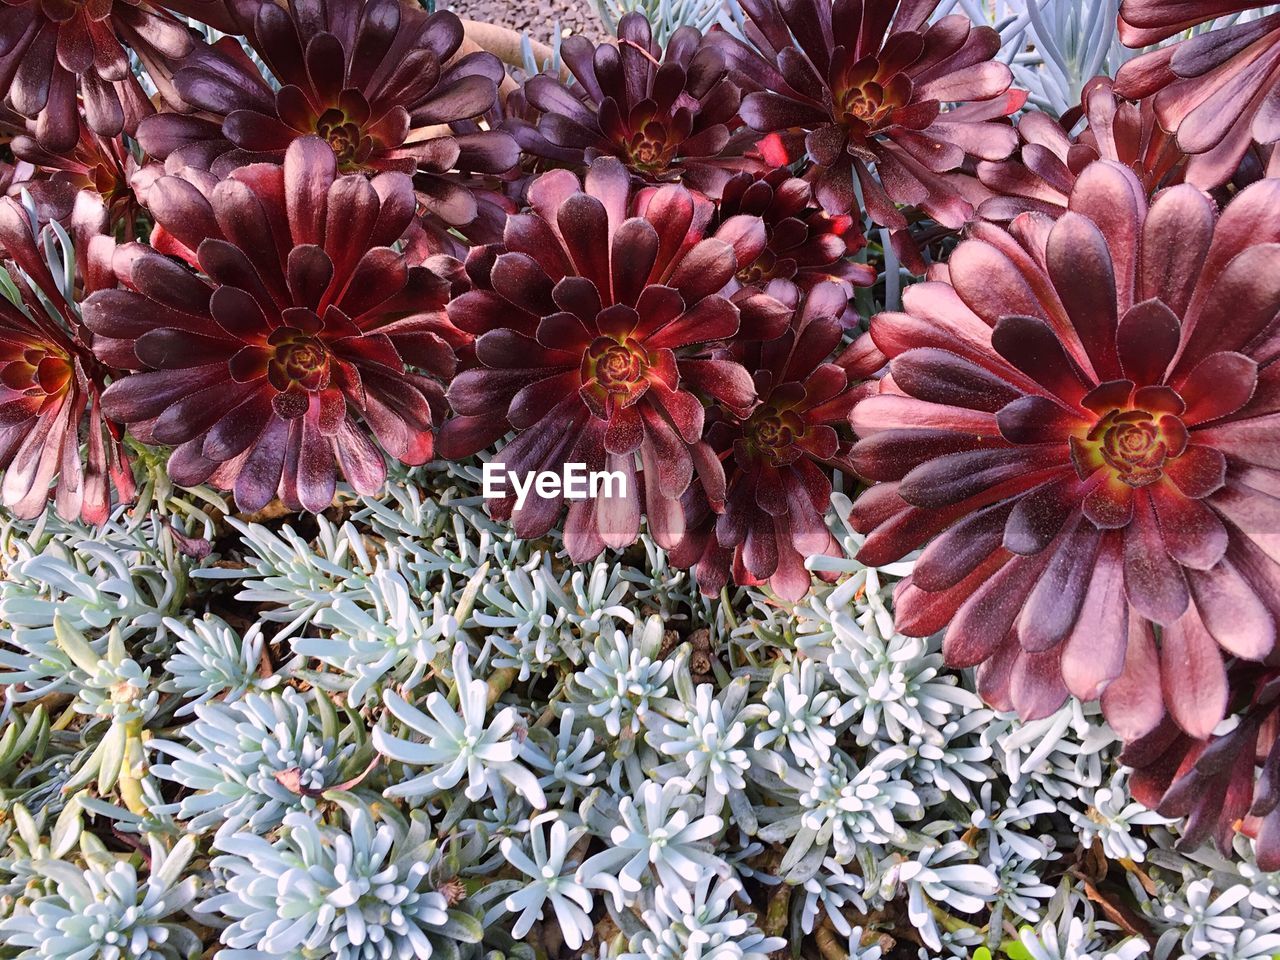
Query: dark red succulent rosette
x,y
372,78
666,115
299,334
103,167
591,317
1082,422
51,382
1215,784
1039,177
10,174
514,114
55,54
1218,92
867,84
806,246
12,170
778,458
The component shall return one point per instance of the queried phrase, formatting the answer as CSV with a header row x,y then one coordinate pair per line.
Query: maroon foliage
x,y
50,382
1219,92
778,458
101,167
1040,176
370,78
866,83
1214,783
666,115
54,51
590,315
805,245
1077,421
268,369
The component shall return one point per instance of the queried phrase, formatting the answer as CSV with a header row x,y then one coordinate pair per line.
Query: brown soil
x,y
536,17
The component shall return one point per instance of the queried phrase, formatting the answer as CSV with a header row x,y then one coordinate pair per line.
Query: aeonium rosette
x,y
1040,175
666,114
95,166
806,246
51,383
56,54
889,104
298,331
379,81
591,317
1081,417
1213,783
778,458
1215,91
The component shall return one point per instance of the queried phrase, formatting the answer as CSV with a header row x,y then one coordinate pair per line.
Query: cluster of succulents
x,y
614,775
935,614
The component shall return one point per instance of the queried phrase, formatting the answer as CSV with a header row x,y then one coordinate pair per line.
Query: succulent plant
x,y
778,456
251,762
96,170
1057,48
370,891
1212,782
707,747
1208,90
805,245
422,722
56,55
625,682
1043,171
829,891
848,805
570,760
264,382
388,640
459,743
666,114
878,101
1083,499
701,922
212,660
377,81
590,318
798,713
658,830
933,876
551,883
107,912
668,16
51,384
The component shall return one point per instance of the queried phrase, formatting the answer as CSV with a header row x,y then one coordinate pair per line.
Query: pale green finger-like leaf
x,y
67,829
74,643
112,758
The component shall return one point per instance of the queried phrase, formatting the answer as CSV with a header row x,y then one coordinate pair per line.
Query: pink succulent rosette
x,y
1078,429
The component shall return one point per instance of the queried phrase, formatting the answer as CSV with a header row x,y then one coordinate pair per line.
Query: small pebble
x,y
538,20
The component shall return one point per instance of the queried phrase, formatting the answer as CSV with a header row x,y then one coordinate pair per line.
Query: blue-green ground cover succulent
x,y
611,775
394,730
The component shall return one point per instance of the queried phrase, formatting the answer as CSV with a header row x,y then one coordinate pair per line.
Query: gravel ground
x,y
538,17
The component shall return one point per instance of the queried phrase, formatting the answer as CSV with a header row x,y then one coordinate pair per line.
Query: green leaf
x,y
169,874
462,926
111,758
115,647
76,646
468,598
67,829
